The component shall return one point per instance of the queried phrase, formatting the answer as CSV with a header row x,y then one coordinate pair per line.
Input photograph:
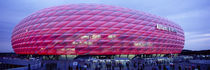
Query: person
x,y
199,68
108,65
85,66
29,66
98,66
159,66
185,68
134,65
193,67
113,65
180,68
164,67
120,66
153,68
127,65
77,67
70,68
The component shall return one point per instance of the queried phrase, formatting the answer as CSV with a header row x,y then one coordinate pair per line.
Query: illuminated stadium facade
x,y
87,29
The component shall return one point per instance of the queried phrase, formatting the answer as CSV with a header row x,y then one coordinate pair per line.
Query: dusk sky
x,y
192,15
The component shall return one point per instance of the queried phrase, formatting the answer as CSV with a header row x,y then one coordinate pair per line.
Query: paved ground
x,y
88,65
107,64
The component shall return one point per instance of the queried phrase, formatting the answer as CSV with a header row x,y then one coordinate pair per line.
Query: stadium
x,y
93,29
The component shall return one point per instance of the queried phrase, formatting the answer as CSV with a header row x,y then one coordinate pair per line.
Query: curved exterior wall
x,y
85,29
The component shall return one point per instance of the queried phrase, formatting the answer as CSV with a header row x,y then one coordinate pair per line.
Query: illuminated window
x,y
85,37
138,44
42,48
142,44
86,42
135,44
111,36
63,49
149,44
72,49
90,43
96,36
74,42
82,43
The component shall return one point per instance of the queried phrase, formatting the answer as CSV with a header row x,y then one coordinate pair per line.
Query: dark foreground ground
x,y
158,63
123,65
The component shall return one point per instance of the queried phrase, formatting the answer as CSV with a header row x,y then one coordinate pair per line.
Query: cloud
x,y
200,35
197,41
5,46
190,14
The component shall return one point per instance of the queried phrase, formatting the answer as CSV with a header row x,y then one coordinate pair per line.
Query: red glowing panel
x,y
86,29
